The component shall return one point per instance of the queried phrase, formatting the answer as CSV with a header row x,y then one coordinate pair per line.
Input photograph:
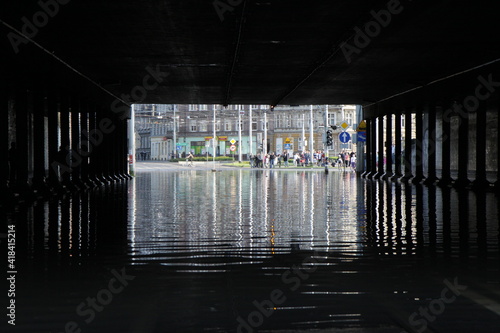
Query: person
x,y
353,162
271,160
341,159
285,158
296,159
189,159
259,160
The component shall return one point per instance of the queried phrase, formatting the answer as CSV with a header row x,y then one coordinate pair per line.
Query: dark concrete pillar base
x,y
482,185
430,181
387,176
406,178
396,177
417,180
462,184
445,182
41,186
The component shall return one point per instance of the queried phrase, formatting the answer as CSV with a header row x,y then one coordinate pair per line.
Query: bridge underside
x,y
74,68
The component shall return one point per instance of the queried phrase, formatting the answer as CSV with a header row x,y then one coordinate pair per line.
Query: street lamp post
x,y
311,133
240,145
175,134
250,131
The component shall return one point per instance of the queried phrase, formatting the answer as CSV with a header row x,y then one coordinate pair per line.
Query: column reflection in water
x,y
187,212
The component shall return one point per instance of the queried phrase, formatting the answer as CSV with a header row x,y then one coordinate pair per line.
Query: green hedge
x,y
204,159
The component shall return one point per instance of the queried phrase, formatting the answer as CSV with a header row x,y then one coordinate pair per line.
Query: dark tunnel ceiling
x,y
262,52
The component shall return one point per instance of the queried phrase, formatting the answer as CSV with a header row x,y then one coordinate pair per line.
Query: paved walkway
x,y
172,166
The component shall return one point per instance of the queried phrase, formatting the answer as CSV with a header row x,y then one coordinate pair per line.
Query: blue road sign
x,y
344,137
288,146
362,136
179,147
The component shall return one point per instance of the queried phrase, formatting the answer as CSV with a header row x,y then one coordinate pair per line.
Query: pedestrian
x,y
189,159
353,162
271,160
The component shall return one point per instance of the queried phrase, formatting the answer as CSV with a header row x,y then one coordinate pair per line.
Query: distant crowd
x,y
303,159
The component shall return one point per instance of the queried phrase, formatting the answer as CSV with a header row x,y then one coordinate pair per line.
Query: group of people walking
x,y
302,159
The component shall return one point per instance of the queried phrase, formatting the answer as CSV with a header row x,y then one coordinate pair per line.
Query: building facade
x,y
176,130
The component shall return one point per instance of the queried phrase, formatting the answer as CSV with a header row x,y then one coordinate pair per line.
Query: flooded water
x,y
258,250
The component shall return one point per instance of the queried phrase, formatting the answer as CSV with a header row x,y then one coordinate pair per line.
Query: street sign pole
x,y
214,142
239,136
250,138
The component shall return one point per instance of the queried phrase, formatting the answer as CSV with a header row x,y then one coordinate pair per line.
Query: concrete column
x,y
445,179
107,147
481,183
380,153
368,154
85,146
419,154
64,149
388,146
431,146
4,140
116,149
373,148
125,143
397,148
95,170
463,151
76,157
39,130
21,153
407,150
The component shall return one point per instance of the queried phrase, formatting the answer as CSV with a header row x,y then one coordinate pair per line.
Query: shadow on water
x,y
257,250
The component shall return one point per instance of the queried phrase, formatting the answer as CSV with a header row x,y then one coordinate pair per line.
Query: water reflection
x,y
251,213
204,245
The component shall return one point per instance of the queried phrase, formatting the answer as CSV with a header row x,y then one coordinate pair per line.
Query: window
x,y
192,107
349,118
300,121
192,126
203,107
254,125
227,126
203,127
331,119
217,126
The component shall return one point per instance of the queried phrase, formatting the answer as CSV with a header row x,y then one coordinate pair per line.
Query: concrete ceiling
x,y
254,51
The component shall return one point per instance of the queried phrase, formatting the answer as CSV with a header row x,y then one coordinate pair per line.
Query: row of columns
x,y
423,167
55,142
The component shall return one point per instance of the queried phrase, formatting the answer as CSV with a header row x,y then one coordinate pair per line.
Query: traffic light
x,y
329,138
334,127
